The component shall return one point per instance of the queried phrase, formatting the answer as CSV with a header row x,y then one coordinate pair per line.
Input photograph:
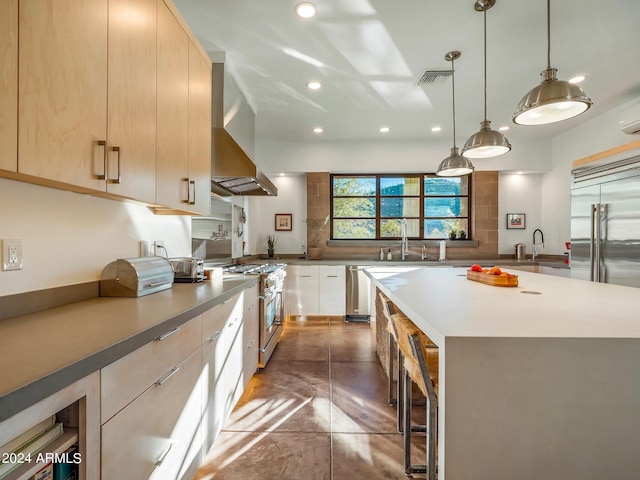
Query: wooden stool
x,y
421,367
393,351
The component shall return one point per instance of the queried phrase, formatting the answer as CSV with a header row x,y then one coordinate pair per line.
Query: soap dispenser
x,y
389,256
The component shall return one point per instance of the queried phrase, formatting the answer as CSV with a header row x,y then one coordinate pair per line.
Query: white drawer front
x,y
162,425
125,379
214,320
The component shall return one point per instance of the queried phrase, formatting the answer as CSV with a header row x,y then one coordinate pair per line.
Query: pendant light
x,y
553,100
454,165
486,142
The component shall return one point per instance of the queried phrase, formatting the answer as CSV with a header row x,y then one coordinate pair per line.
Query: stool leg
x,y
390,354
432,422
399,390
407,424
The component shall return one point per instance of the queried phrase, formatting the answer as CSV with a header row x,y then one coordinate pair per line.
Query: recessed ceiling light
x,y
314,85
282,174
318,130
577,79
384,129
436,129
306,10
504,128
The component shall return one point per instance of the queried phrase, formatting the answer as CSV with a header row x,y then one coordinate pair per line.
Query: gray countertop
x,y
46,351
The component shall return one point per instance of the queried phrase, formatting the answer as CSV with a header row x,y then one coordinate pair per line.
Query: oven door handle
x,y
280,317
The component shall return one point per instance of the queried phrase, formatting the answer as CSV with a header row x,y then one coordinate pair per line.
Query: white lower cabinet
x,y
318,290
250,334
229,358
151,405
332,290
158,434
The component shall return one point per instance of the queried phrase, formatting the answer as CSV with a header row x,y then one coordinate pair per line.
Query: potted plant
x,y
314,229
271,245
463,235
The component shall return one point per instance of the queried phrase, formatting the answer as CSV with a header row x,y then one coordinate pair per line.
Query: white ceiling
x,y
369,55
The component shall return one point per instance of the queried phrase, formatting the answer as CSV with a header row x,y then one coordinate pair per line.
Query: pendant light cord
x,y
453,86
548,34
485,64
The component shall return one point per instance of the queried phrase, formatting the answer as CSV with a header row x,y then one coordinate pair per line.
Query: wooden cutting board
x,y
495,280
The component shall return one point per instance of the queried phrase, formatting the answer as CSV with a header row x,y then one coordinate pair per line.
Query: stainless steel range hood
x,y
232,170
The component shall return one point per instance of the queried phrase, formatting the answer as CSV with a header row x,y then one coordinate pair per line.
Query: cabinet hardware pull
x,y
227,301
187,201
103,144
163,456
332,276
192,182
167,376
305,276
118,179
215,336
168,334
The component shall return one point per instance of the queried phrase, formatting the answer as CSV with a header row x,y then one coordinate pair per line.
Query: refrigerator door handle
x,y
598,242
592,247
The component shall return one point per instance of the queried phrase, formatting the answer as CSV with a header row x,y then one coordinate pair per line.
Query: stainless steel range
x,y
271,292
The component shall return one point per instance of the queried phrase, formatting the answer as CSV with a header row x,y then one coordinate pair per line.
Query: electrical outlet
x,y
158,248
11,254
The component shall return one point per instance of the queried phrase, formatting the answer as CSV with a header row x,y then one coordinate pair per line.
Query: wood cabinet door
x,y
62,100
131,149
9,85
199,131
173,111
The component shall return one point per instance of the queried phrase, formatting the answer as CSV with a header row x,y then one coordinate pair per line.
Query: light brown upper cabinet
x,y
173,183
200,129
9,85
184,119
87,97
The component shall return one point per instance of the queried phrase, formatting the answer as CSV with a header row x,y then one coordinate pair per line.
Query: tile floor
x,y
318,411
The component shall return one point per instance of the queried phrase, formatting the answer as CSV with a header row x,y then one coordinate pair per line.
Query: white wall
x,y
519,194
68,238
292,198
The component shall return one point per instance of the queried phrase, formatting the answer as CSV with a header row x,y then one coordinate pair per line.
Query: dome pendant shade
x,y
552,101
454,165
486,143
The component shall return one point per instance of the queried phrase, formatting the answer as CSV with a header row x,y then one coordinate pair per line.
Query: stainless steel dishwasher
x,y
358,294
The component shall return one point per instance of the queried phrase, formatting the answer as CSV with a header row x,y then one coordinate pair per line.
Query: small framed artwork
x,y
283,222
516,220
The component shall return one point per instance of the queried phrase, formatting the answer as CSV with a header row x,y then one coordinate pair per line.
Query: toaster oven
x,y
187,269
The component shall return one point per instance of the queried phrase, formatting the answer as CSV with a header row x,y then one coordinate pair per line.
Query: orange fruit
x,y
476,268
495,271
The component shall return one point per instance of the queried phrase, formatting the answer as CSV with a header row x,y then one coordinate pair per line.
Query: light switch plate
x,y
11,254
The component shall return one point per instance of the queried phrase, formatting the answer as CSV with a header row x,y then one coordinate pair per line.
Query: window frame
x,y
378,197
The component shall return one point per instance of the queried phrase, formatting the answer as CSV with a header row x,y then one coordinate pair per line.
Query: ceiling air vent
x,y
432,77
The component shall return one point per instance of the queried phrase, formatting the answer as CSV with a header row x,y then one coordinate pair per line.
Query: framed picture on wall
x,y
516,220
283,222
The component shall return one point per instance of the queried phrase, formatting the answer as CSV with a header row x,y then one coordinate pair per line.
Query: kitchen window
x,y
370,207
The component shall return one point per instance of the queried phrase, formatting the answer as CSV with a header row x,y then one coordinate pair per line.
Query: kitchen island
x,y
537,381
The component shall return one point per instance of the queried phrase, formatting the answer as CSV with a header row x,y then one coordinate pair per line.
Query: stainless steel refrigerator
x,y
605,223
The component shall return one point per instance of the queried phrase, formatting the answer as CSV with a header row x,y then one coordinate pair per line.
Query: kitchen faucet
x,y
534,254
405,241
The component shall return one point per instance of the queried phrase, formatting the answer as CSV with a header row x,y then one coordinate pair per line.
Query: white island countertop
x,y
531,386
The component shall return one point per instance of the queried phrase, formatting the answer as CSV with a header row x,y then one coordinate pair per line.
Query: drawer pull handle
x,y
305,276
215,336
332,276
167,376
163,456
168,334
227,301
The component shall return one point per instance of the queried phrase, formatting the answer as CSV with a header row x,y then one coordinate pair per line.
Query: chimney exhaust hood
x,y
232,170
